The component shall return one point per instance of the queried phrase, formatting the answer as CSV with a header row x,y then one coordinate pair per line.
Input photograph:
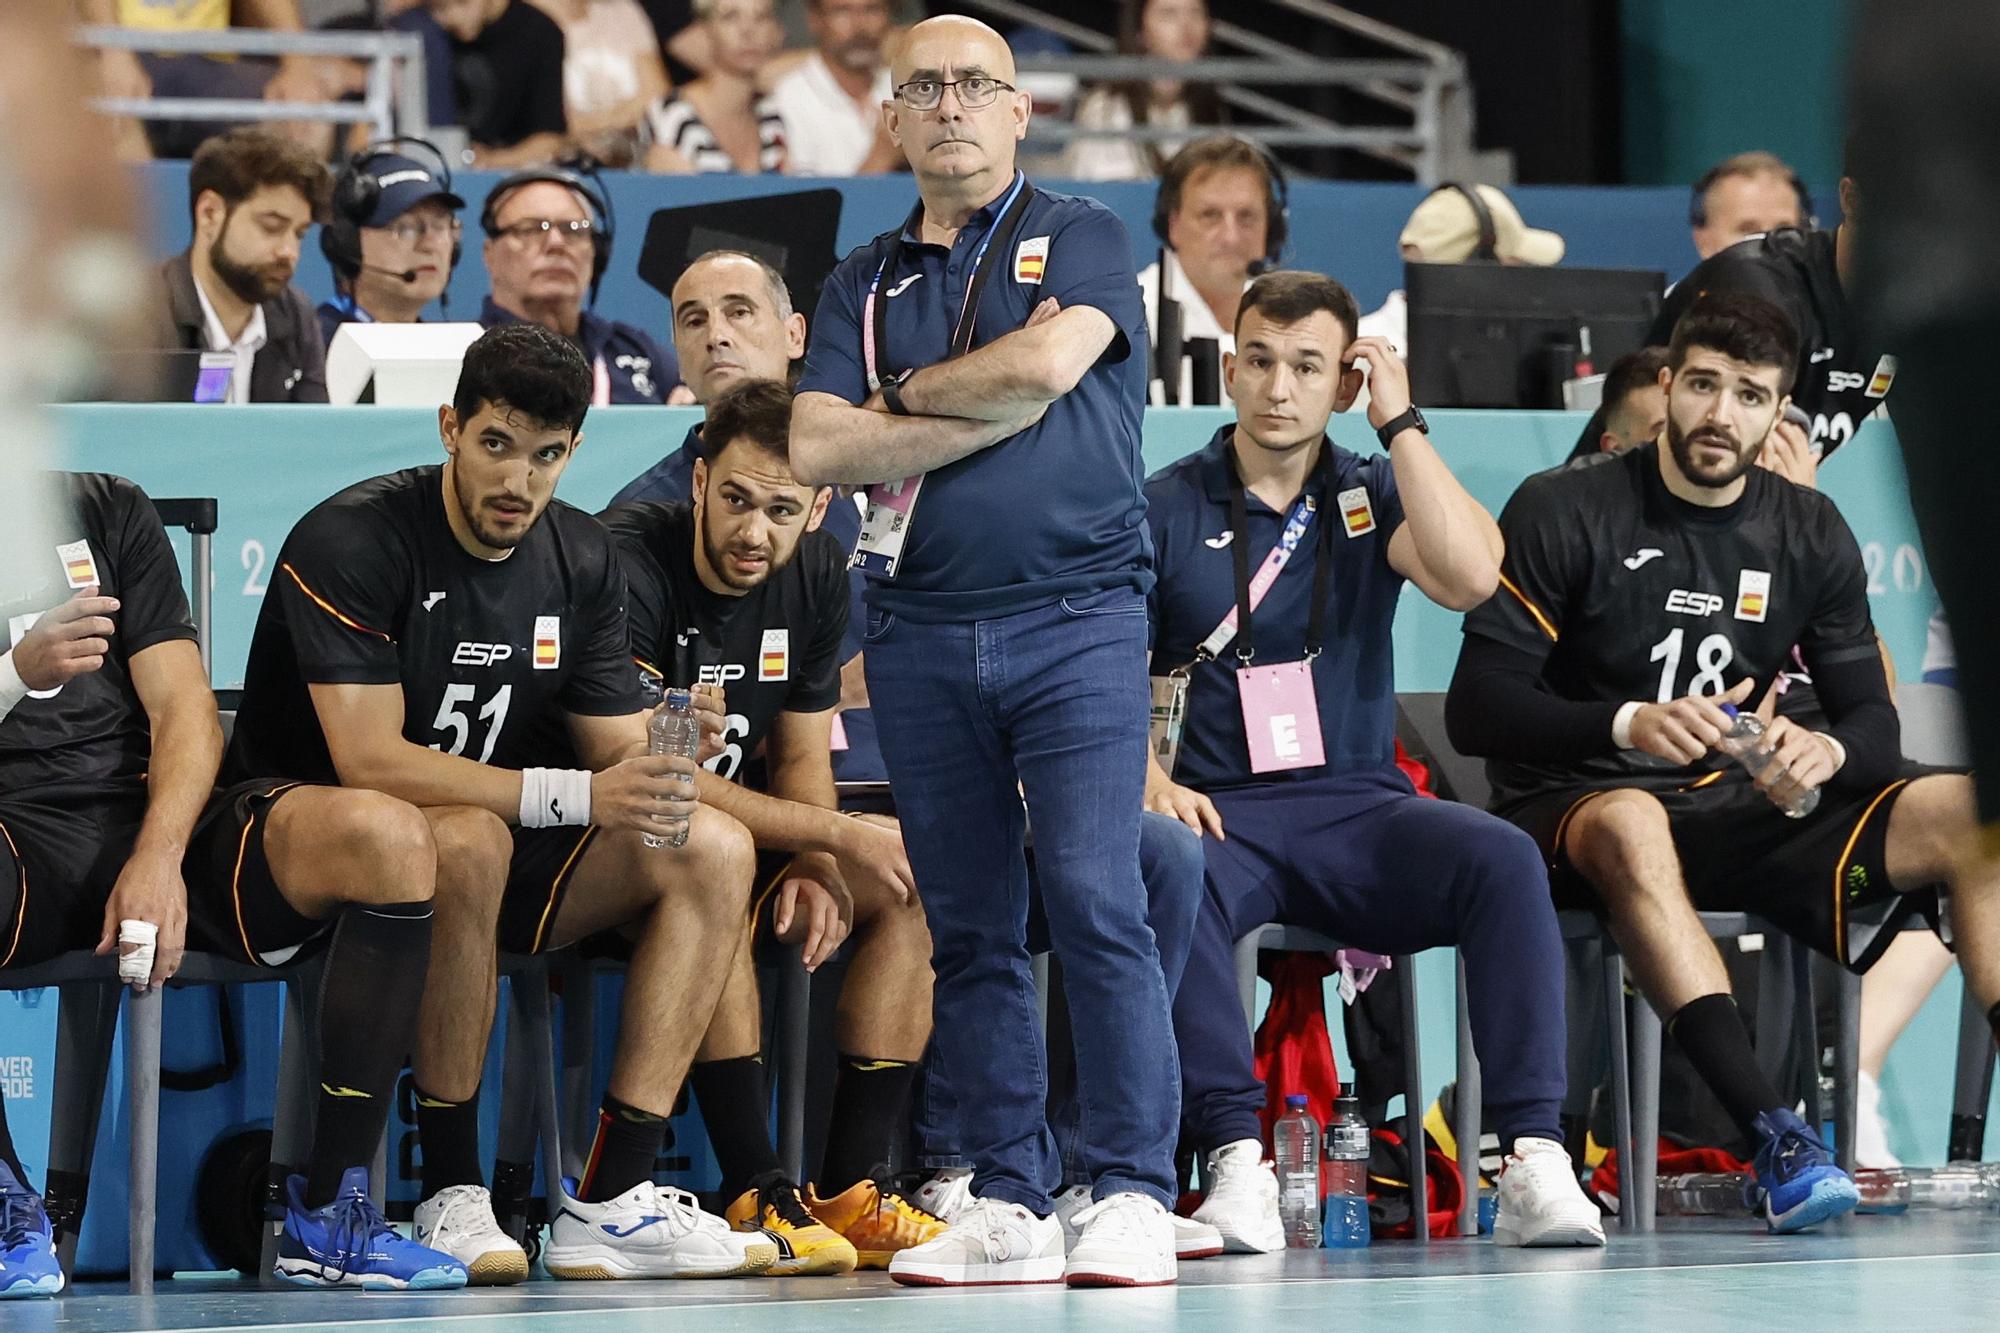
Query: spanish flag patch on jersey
x,y
1030,258
548,642
79,566
1357,516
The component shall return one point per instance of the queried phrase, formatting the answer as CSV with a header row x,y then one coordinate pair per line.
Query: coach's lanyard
x,y
885,527
1250,592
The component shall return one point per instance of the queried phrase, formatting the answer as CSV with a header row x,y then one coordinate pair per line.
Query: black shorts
x,y
1823,879
544,863
58,864
234,906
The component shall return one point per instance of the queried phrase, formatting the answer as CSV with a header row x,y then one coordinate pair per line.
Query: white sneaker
x,y
1126,1240
458,1221
946,1194
989,1242
649,1231
1541,1203
1871,1134
1192,1239
1242,1200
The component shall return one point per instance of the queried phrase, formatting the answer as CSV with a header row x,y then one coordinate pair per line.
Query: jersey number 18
x,y
1711,655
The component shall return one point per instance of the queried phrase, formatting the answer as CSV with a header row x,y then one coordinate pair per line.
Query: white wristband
x,y
1621,724
12,688
1839,750
555,796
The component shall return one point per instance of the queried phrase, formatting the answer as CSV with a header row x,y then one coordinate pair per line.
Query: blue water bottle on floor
x,y
1344,1224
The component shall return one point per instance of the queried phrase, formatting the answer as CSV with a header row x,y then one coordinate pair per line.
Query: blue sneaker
x,y
348,1244
28,1265
1797,1184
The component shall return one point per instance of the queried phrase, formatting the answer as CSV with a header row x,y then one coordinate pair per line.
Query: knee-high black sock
x,y
448,1134
1711,1031
871,1102
628,1143
736,1111
11,1158
368,999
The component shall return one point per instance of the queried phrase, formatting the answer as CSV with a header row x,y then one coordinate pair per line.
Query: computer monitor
x,y
396,365
794,233
1498,335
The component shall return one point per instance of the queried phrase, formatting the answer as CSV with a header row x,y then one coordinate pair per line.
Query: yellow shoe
x,y
876,1223
806,1247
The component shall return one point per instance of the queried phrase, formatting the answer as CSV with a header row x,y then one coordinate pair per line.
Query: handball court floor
x,y
1930,1271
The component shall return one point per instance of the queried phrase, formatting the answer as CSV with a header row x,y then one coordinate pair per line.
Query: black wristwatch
x,y
1396,425
892,394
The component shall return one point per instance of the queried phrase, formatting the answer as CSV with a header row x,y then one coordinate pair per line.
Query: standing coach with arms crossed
x,y
983,369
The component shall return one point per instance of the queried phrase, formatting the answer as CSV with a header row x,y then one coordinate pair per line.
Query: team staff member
x,y
1635,405
985,367
548,241
744,589
108,754
1640,595
1288,760
425,628
392,251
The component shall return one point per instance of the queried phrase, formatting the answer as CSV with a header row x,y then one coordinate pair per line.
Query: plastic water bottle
x,y
674,730
1345,1212
1702,1194
1883,1191
1957,1186
1744,743
1296,1140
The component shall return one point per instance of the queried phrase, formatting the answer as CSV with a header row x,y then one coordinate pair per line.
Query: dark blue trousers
x,y
1364,859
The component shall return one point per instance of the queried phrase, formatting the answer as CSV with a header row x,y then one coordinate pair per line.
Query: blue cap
x,y
1295,1101
1729,710
406,182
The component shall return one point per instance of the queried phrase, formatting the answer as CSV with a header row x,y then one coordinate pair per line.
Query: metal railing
x,y
1423,80
393,102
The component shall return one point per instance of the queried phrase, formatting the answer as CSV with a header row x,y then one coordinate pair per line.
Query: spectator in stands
x,y
1308,819
720,122
612,72
831,102
1221,221
1743,196
546,247
150,74
1635,404
254,195
394,258
1176,30
684,44
1457,224
507,76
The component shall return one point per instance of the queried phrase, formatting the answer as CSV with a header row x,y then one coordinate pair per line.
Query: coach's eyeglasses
x,y
975,93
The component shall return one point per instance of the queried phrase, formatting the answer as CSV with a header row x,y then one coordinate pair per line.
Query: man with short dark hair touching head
x,y
253,195
1286,762
983,370
1644,600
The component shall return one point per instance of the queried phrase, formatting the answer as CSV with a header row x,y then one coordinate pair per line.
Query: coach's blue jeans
x,y
1051,701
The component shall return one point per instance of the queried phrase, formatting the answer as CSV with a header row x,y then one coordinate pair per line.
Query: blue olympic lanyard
x,y
874,337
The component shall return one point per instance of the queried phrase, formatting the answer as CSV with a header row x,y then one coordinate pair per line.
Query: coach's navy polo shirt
x,y
1056,511
1354,676
640,370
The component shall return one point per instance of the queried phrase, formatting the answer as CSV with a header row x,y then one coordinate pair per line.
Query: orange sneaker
x,y
806,1245
876,1222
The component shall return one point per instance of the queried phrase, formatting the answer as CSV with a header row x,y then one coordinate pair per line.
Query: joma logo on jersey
x,y
470,653
721,673
1683,602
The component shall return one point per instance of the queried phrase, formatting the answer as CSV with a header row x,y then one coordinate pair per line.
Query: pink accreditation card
x,y
1280,717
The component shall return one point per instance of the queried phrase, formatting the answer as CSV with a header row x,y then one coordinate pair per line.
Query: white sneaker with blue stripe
x,y
649,1231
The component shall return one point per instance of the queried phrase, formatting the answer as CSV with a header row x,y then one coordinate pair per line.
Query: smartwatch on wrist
x,y
892,394
1409,418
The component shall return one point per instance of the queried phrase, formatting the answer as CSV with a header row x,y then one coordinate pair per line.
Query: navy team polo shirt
x,y
1354,676
1057,510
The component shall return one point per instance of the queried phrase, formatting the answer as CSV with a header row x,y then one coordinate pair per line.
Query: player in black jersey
x,y
1638,596
423,630
108,754
744,589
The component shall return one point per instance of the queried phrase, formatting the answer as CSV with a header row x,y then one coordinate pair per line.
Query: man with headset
x,y
1745,195
1221,217
548,242
394,237
1460,224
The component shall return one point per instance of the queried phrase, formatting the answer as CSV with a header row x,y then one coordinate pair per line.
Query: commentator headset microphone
x,y
355,194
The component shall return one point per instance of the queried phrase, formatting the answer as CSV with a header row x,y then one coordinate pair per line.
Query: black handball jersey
x,y
1627,592
372,588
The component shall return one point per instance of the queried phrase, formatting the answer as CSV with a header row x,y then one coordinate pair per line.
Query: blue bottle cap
x,y
1295,1101
1729,710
